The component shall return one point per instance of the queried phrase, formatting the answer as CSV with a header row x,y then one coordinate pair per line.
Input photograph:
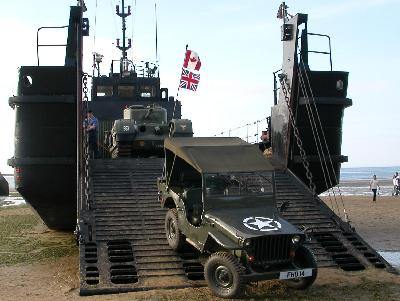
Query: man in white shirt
x,y
374,185
396,184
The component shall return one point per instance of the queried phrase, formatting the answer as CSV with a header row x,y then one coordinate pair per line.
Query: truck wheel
x,y
175,238
223,273
304,259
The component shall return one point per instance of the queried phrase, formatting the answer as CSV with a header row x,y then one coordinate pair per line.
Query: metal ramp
x,y
333,242
128,250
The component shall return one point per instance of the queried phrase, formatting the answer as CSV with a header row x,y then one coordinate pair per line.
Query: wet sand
x,y
54,278
378,223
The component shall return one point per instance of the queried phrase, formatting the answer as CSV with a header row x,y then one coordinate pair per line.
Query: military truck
x,y
220,196
142,130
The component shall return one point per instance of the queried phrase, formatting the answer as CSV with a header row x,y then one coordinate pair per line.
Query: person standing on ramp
x,y
90,125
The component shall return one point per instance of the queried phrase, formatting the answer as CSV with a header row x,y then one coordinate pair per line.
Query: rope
x,y
133,27
285,90
317,140
95,27
115,26
256,123
326,145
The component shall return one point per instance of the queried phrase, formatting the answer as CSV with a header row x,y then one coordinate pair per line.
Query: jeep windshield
x,y
238,184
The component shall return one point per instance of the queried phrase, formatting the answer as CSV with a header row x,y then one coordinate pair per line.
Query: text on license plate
x,y
295,274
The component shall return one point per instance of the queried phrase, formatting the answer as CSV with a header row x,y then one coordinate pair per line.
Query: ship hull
x,y
51,192
45,143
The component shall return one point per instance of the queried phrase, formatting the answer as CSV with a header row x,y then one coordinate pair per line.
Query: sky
x,y
239,44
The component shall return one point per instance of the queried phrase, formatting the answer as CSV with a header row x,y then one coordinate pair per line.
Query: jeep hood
x,y
250,222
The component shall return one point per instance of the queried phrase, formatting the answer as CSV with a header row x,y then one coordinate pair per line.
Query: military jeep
x,y
220,195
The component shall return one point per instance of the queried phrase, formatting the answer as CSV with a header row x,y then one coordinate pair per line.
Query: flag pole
x,y
177,92
176,100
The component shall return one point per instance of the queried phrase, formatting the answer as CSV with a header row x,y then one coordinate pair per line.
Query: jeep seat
x,y
194,205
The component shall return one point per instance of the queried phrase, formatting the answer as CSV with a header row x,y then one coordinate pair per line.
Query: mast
x,y
124,48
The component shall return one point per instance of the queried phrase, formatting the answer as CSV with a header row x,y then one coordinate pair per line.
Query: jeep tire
x,y
304,259
223,273
175,238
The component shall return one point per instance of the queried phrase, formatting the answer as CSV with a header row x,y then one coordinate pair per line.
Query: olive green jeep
x,y
220,195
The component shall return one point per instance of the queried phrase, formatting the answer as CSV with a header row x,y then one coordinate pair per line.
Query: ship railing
x,y
38,45
276,86
322,52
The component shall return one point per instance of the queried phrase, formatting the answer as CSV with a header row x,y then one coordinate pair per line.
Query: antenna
x,y
283,13
124,47
155,13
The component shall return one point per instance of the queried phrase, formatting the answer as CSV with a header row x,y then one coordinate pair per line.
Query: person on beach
x,y
374,186
396,184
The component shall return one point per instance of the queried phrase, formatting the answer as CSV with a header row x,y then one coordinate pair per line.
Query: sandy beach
x,y
51,271
375,222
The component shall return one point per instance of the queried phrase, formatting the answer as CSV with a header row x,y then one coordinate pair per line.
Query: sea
x,y
354,181
14,199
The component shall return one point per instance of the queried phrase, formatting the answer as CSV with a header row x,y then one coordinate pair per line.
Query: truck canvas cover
x,y
216,154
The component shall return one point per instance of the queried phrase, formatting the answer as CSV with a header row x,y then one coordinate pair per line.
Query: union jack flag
x,y
189,80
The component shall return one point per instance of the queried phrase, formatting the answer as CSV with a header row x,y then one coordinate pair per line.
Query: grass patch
x,y
14,193
22,242
14,207
277,291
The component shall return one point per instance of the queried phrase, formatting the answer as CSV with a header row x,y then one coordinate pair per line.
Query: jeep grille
x,y
271,248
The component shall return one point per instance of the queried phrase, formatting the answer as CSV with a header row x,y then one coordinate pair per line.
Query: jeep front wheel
x,y
175,238
304,259
223,273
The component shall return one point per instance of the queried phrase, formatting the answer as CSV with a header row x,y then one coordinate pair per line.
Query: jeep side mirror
x,y
285,205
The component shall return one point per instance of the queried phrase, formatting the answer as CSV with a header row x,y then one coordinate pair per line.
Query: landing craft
x,y
120,225
49,113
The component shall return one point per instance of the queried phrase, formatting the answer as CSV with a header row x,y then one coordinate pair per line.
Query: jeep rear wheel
x,y
175,238
223,273
304,259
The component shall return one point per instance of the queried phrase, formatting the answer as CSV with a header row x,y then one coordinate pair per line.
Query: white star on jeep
x,y
262,224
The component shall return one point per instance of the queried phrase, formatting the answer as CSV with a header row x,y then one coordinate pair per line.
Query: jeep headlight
x,y
296,239
247,243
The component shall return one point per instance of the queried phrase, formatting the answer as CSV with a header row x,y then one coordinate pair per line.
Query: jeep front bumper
x,y
282,274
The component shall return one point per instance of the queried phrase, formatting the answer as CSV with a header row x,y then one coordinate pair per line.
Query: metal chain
x,y
85,102
296,133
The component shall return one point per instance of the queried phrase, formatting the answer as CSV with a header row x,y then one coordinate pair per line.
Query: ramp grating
x,y
126,250
129,251
333,242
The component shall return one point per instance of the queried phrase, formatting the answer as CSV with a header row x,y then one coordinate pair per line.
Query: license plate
x,y
295,274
